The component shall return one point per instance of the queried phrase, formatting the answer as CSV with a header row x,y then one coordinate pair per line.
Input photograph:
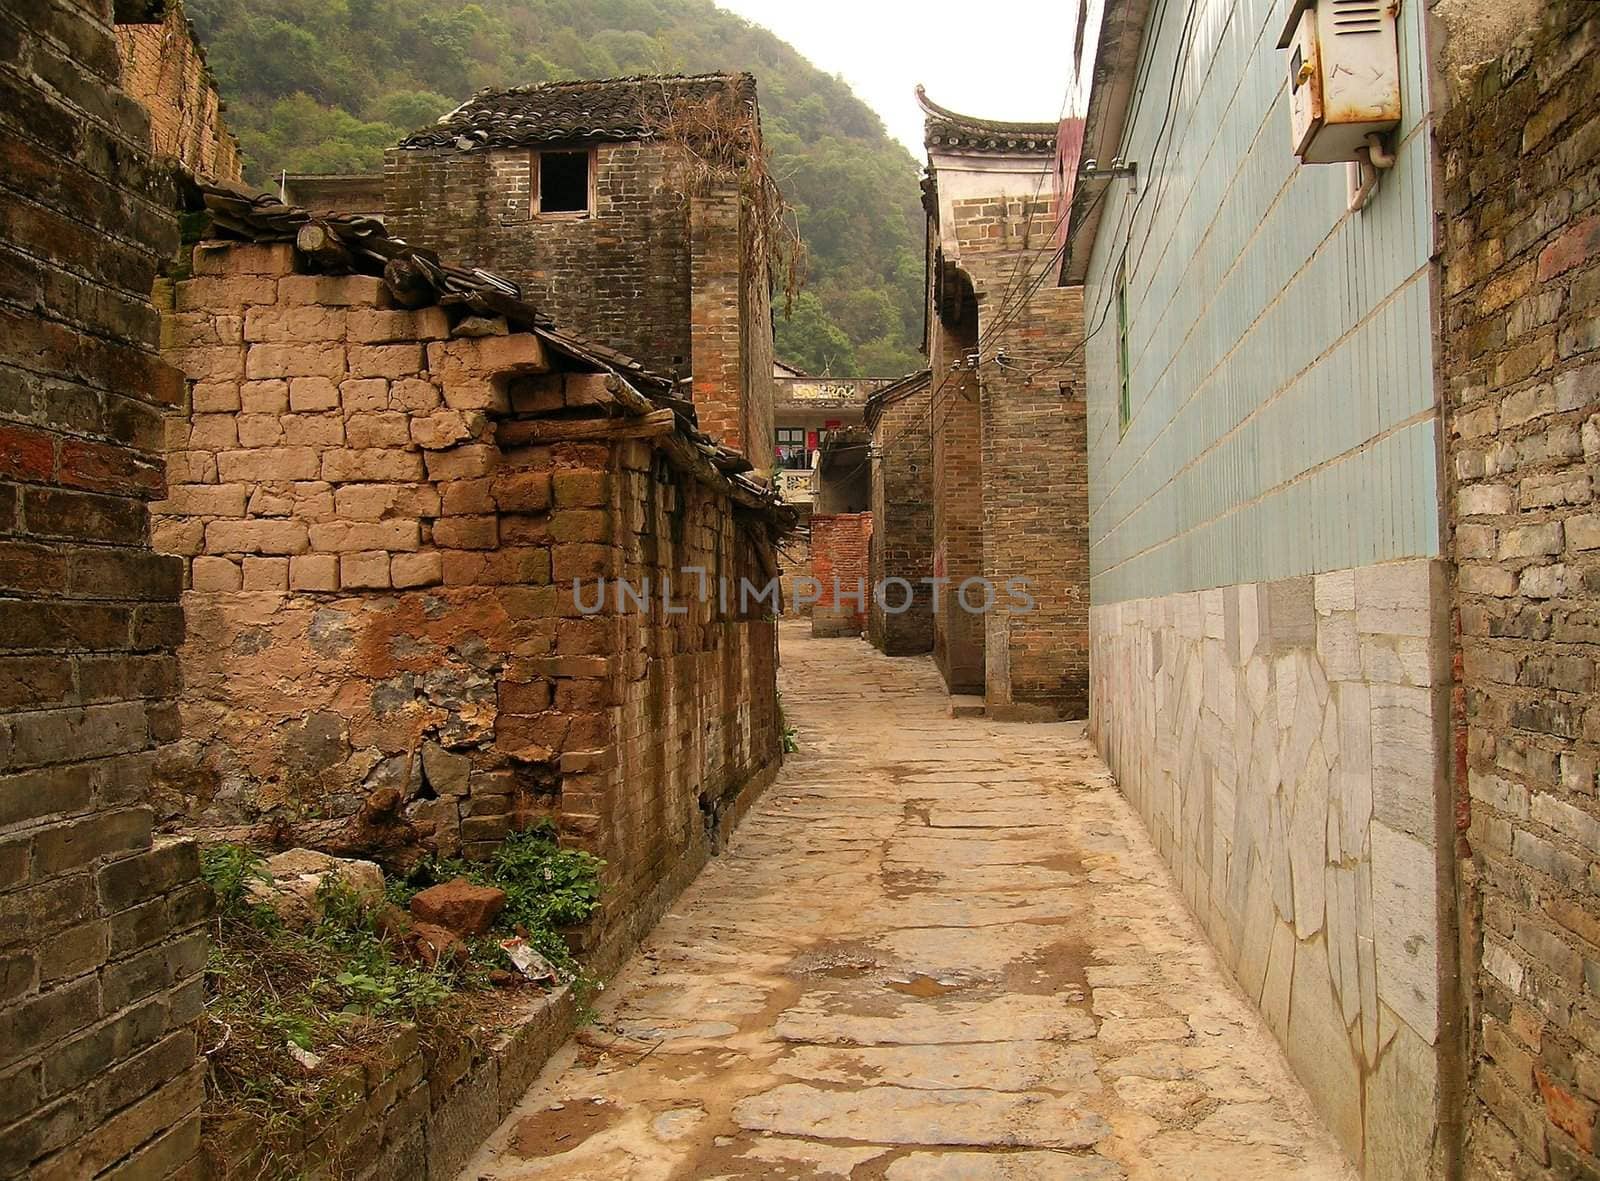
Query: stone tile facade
x,y
1521,161
1283,744
839,562
101,928
902,518
164,67
393,587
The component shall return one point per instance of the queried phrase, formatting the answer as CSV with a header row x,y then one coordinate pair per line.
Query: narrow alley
x,y
936,949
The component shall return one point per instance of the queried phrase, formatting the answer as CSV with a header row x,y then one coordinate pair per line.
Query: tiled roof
x,y
609,109
944,128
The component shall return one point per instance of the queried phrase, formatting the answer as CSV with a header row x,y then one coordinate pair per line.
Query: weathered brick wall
x,y
794,568
100,930
839,544
1521,177
658,275
902,525
691,680
380,594
1036,508
164,67
958,636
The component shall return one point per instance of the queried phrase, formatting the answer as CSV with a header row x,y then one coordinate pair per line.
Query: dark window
x,y
791,449
563,182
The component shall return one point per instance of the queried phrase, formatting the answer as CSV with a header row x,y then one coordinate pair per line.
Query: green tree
x,y
327,85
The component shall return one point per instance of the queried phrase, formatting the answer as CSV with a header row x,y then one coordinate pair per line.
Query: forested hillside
x,y
326,85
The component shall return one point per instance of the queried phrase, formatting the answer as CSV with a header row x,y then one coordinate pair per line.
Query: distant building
x,y
356,193
1006,421
614,220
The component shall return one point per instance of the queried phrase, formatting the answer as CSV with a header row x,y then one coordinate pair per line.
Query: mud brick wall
x,y
1036,509
839,548
381,597
1521,192
100,941
164,67
652,273
902,525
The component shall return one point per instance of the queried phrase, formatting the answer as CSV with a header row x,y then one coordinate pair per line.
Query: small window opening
x,y
563,182
1124,403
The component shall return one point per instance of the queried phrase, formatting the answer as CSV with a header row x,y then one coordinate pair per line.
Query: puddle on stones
x,y
560,1127
920,985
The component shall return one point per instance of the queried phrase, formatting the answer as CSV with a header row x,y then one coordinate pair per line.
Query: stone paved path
x,y
937,950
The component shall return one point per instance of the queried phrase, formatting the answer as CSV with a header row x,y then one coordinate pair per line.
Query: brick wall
x,y
380,596
1521,167
661,277
1036,509
794,568
902,525
620,276
164,67
839,544
100,929
958,636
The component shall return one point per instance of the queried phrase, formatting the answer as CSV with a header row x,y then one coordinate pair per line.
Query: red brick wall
x,y
839,545
902,524
1521,172
101,930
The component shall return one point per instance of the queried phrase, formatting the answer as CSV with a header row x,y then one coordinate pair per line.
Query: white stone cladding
x,y
1285,744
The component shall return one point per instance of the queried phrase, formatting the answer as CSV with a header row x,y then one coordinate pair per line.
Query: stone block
x,y
345,536
385,360
314,572
420,569
266,574
1405,932
384,326
295,360
256,537
386,429
269,464
373,464
333,290
359,571
1396,598
264,397
311,395
413,395
467,462
216,574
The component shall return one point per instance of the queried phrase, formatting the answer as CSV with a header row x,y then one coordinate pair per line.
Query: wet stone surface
x,y
938,950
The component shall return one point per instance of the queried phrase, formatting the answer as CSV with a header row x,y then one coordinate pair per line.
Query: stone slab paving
x,y
938,950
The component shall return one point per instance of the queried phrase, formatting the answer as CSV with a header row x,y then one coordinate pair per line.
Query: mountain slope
x,y
326,85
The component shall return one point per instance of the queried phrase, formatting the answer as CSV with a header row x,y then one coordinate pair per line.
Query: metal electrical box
x,y
1344,76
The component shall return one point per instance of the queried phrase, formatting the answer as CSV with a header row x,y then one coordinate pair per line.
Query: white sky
x,y
996,60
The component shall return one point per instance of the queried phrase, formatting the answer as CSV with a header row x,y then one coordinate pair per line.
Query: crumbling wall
x,y
839,545
101,942
1521,173
687,682
902,525
164,67
386,644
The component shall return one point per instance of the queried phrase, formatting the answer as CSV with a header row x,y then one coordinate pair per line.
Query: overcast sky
x,y
997,60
